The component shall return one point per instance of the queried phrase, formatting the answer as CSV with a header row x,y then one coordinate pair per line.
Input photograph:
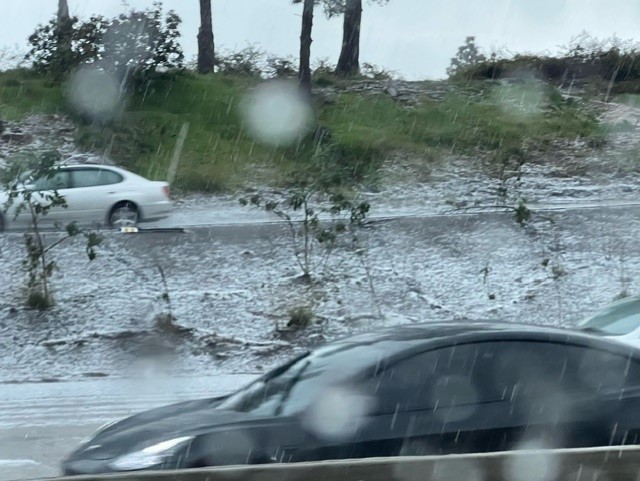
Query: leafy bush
x,y
584,58
136,41
323,74
300,317
37,203
280,67
468,56
247,62
375,72
316,218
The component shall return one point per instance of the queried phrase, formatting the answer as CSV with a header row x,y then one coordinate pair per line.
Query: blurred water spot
x,y
536,464
277,114
338,413
521,99
95,93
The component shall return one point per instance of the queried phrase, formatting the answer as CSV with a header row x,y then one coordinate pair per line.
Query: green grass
x,y
473,118
23,93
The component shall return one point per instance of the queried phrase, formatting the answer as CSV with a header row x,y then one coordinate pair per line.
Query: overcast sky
x,y
416,38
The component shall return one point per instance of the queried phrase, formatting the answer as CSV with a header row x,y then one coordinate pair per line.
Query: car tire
x,y
124,214
2,224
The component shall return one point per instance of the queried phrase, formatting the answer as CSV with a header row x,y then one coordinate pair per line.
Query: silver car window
x,y
94,177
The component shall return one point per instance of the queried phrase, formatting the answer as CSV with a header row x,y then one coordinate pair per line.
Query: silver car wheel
x,y
124,215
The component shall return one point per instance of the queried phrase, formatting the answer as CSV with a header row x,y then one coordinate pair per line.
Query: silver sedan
x,y
93,194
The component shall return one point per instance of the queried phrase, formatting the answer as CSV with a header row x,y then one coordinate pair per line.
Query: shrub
x,y
300,317
129,43
281,67
248,62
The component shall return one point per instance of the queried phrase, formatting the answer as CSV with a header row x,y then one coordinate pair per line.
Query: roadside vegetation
x,y
39,261
360,130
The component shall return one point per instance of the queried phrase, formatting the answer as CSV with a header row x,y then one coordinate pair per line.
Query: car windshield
x,y
291,388
616,320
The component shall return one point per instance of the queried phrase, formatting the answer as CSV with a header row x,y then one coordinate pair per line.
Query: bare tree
x,y
63,11
304,75
349,61
206,52
63,32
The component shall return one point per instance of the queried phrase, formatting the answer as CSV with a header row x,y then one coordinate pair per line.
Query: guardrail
x,y
591,464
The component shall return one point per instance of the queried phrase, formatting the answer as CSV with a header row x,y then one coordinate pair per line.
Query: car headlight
x,y
149,456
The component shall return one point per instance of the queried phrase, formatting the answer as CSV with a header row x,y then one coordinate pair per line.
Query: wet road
x,y
41,422
231,285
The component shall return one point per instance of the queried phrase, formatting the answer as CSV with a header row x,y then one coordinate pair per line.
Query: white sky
x,y
416,38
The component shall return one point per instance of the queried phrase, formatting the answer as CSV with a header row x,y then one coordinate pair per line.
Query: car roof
x,y
408,338
89,165
456,329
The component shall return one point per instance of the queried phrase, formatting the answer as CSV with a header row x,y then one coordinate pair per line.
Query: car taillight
x,y
165,190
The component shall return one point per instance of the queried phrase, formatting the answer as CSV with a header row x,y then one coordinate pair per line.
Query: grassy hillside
x,y
480,118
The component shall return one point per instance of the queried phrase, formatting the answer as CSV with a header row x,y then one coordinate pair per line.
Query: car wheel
x,y
124,214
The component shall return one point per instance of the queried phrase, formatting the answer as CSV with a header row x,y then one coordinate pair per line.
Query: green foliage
x,y
375,72
323,74
138,41
316,219
23,180
585,58
252,62
522,213
23,92
358,131
37,300
281,67
300,317
468,56
247,62
57,50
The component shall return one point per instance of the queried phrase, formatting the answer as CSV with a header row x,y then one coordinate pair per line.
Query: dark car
x,y
419,389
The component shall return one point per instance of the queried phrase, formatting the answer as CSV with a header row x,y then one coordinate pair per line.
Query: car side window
x,y
58,180
94,177
510,371
453,376
536,370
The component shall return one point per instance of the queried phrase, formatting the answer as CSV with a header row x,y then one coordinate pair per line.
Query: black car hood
x,y
157,425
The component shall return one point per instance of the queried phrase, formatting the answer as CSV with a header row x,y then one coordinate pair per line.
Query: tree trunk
x,y
304,75
349,62
63,11
206,55
64,58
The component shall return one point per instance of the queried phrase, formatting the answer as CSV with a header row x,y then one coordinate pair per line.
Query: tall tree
x,y
206,52
63,32
349,61
304,72
63,11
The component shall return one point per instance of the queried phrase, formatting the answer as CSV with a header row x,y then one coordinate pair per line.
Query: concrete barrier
x,y
592,464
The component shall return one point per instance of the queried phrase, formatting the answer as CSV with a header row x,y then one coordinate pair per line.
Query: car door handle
x,y
113,192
